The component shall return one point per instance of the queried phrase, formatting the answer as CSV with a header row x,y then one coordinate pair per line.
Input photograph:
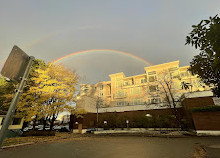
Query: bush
x,y
115,120
206,109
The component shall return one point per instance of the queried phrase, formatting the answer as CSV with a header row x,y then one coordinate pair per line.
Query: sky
x,y
152,30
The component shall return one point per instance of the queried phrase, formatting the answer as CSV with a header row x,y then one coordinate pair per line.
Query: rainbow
x,y
102,50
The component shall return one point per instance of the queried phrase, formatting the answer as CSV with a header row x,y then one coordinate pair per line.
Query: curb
x,y
30,143
17,145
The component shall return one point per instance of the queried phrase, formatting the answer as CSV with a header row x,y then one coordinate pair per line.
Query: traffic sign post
x,y
15,76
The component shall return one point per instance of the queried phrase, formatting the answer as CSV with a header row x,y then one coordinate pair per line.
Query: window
x,y
121,102
16,121
173,69
138,102
118,84
101,87
175,74
143,80
184,74
120,93
152,73
135,90
126,83
154,100
153,88
101,94
86,89
152,78
2,121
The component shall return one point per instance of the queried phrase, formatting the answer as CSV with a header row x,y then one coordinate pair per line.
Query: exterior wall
x,y
89,120
137,90
19,126
197,102
207,121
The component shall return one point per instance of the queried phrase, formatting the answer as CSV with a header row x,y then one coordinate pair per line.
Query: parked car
x,y
90,130
65,128
57,128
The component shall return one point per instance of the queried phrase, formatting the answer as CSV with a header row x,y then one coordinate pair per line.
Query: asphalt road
x,y
113,147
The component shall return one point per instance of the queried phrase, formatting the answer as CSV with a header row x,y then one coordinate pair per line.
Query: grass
x,y
36,139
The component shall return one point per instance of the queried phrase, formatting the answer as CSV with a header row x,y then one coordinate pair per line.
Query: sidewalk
x,y
156,133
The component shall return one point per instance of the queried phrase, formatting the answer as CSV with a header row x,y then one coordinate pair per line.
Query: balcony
x,y
120,95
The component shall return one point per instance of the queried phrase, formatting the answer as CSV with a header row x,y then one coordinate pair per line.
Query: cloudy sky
x,y
150,29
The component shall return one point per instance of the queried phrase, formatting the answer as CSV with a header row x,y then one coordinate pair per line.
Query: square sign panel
x,y
16,64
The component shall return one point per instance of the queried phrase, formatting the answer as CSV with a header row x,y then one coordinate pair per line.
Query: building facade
x,y
149,89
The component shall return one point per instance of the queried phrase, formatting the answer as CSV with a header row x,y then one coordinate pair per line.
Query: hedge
x,y
206,109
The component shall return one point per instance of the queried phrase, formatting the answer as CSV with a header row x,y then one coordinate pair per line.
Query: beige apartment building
x,y
146,89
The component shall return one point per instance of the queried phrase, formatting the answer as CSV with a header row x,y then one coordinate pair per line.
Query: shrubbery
x,y
205,108
115,120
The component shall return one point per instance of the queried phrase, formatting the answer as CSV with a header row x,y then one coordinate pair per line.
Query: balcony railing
x,y
118,96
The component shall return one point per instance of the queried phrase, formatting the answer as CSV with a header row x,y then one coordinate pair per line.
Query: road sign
x,y
16,64
17,67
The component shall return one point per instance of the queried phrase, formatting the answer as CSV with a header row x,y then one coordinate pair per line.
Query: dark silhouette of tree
x,y
206,37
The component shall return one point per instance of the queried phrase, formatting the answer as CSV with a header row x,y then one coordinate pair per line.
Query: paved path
x,y
113,147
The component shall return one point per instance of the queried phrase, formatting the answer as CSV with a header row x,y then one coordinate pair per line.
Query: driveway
x,y
113,147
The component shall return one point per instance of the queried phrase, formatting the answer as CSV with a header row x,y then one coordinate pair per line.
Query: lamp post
x,y
97,113
127,122
105,125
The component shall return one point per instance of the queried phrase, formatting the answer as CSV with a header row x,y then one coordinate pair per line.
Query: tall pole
x,y
14,102
97,117
97,112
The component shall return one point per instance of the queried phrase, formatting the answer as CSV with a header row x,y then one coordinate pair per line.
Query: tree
x,y
168,87
6,90
7,87
53,91
206,37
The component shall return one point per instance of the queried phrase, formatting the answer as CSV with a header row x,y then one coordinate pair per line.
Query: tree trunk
x,y
44,123
52,122
34,122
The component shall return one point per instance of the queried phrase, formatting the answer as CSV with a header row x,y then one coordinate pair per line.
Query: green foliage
x,y
205,109
206,37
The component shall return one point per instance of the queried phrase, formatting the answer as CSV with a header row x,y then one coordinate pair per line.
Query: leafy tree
x,y
206,37
54,89
9,87
6,88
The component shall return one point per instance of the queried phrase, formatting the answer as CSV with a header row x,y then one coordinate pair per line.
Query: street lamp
x,y
127,122
148,115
